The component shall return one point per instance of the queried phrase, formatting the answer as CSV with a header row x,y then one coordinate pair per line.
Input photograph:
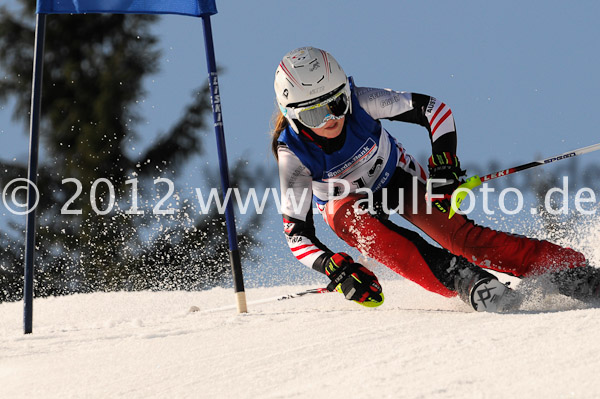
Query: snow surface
x,y
417,345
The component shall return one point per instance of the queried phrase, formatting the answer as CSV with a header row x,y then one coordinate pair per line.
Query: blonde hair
x,y
280,122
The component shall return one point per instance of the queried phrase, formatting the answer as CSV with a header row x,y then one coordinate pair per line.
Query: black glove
x,y
444,166
355,281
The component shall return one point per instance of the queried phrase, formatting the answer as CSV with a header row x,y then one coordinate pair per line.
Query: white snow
x,y
417,345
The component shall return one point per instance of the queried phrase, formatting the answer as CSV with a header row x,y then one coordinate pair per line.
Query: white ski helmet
x,y
311,87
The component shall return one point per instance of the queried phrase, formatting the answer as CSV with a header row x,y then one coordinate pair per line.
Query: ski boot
x,y
582,283
482,290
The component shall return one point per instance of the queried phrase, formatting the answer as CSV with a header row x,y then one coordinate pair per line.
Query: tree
x,y
94,67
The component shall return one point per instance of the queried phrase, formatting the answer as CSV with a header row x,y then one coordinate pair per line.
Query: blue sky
x,y
520,76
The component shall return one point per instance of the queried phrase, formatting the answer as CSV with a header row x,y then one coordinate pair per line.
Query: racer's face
x,y
332,128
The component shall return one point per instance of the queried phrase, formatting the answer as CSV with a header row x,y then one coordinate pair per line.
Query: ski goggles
x,y
317,115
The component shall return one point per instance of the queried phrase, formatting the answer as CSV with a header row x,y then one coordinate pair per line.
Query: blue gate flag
x,y
182,7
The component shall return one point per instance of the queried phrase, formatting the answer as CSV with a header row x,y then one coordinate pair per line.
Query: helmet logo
x,y
314,66
286,93
298,57
317,90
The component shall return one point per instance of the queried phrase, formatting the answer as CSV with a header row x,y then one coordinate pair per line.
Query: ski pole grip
x,y
461,193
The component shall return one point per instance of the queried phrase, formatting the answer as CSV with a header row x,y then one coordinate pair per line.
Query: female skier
x,y
331,146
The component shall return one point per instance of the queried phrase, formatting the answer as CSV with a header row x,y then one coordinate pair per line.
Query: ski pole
x,y
461,192
267,300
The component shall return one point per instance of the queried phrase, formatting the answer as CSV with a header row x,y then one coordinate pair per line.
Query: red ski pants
x,y
411,256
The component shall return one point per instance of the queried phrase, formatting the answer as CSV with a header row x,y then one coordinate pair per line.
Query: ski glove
x,y
355,281
444,166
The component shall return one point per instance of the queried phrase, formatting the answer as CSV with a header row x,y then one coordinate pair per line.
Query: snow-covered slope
x,y
417,345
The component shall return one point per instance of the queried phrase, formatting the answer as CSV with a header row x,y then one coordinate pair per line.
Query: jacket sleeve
x,y
421,109
296,206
